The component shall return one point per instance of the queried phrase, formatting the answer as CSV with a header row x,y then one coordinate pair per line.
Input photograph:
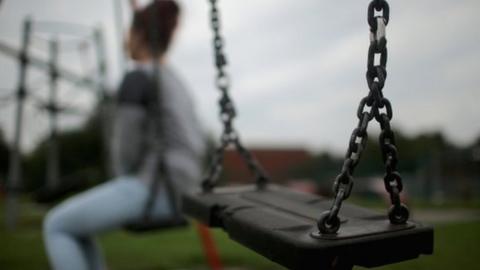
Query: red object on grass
x,y
209,248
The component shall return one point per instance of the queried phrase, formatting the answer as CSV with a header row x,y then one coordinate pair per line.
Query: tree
x,y
82,159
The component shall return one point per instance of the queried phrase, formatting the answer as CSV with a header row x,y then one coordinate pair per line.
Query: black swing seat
x,y
280,224
149,226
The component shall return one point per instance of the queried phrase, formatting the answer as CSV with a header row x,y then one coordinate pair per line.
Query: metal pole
x,y
14,170
104,99
40,63
101,62
118,14
52,108
65,28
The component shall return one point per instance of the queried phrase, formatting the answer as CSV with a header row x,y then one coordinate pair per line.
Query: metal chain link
x,y
373,106
227,114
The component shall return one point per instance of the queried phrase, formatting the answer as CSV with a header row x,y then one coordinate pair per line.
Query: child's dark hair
x,y
161,14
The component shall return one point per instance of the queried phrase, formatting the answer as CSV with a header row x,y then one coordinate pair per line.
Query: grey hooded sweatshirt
x,y
137,148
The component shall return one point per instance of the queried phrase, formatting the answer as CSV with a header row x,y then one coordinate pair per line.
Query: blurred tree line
x,y
82,159
428,160
430,165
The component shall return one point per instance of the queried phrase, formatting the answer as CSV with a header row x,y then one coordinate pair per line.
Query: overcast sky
x,y
297,67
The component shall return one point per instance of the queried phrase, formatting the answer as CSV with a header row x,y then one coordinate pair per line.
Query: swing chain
x,y
376,76
229,135
374,105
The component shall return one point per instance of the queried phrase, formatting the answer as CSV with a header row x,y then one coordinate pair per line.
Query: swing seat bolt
x,y
398,214
327,224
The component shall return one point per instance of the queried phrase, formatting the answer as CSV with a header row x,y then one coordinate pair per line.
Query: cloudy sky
x,y
297,66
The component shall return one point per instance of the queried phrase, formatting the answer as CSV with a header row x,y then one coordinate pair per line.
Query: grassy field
x,y
456,247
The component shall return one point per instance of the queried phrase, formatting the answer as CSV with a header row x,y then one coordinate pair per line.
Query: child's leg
x,y
69,228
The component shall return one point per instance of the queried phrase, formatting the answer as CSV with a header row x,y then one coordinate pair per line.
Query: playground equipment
x,y
284,225
51,106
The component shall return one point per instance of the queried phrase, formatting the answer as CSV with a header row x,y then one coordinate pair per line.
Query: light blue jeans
x,y
69,228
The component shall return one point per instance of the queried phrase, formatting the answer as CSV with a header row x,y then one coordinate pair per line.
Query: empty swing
x,y
305,231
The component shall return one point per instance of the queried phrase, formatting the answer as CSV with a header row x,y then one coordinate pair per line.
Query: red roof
x,y
277,162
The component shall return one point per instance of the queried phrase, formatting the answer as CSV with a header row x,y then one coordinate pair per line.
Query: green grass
x,y
456,247
175,249
379,203
172,249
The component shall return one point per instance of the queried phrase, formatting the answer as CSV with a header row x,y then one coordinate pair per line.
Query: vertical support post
x,y
53,169
101,62
118,15
14,170
105,104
